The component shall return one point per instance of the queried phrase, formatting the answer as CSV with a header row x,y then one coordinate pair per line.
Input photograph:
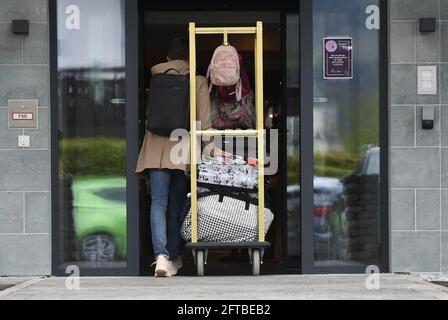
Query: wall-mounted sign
x,y
338,57
22,114
26,116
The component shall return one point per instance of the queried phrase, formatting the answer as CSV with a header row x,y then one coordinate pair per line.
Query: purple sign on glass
x,y
338,58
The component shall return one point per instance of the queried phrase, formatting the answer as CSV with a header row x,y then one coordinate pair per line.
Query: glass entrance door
x,y
346,215
93,203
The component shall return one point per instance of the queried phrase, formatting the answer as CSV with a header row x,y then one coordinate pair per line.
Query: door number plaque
x,y
22,114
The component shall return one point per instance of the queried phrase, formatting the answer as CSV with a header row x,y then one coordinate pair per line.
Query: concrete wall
x,y
24,174
419,158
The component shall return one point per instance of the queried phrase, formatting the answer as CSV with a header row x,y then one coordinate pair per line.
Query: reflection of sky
x,y
100,40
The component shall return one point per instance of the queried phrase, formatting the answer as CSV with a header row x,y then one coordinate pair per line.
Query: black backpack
x,y
169,103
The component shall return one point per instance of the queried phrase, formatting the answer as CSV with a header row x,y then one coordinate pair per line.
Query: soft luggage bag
x,y
169,103
225,218
233,115
228,112
231,171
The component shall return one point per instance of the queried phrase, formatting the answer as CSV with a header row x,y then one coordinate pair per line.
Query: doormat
x,y
5,286
441,283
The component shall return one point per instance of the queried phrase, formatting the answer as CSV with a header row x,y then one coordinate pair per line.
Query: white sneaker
x,y
164,267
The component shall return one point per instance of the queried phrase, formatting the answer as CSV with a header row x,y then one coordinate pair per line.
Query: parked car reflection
x,y
326,194
99,212
345,214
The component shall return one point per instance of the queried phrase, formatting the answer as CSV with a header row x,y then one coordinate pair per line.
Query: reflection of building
x,y
93,101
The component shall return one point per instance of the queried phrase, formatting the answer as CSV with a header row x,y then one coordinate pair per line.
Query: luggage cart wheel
x,y
256,262
200,262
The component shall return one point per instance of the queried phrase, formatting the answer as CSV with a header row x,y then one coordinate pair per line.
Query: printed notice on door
x,y
338,58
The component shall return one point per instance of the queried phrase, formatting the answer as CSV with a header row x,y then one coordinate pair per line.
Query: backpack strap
x,y
210,87
210,68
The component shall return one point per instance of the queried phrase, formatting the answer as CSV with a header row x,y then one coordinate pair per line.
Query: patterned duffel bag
x,y
223,218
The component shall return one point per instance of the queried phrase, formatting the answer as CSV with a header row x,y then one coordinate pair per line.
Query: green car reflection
x,y
99,212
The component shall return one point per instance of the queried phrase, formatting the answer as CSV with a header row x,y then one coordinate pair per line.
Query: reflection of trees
x,y
364,120
357,126
93,156
354,117
333,165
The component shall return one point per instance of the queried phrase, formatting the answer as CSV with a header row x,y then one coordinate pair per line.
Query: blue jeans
x,y
168,188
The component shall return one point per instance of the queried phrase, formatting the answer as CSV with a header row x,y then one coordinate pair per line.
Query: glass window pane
x,y
91,127
346,133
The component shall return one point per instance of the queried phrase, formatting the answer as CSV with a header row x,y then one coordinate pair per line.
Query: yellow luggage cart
x,y
256,249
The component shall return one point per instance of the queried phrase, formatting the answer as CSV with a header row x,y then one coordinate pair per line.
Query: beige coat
x,y
155,151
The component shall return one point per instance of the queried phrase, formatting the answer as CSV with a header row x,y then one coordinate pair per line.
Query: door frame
x,y
134,252
306,137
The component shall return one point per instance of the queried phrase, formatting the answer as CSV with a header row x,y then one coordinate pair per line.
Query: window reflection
x,y
293,136
346,140
92,148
